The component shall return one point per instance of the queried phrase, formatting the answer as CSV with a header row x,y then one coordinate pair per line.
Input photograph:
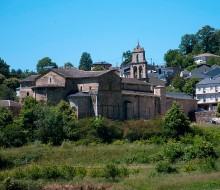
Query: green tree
x,y
44,62
205,40
127,57
12,83
173,58
187,44
2,78
85,62
50,126
190,86
29,115
6,117
7,93
218,110
68,65
178,82
12,136
175,122
213,61
4,68
98,68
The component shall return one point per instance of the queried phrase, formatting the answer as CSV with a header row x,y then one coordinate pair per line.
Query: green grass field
x,y
89,163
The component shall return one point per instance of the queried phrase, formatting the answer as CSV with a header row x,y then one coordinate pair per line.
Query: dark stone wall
x,y
202,117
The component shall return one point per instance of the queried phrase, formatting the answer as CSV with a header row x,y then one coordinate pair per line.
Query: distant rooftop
x,y
178,95
206,55
102,63
9,103
209,81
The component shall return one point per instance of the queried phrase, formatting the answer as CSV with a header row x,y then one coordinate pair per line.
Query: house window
x,y
27,93
90,88
50,80
81,88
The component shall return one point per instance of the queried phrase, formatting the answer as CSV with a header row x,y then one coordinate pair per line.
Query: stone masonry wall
x,y
202,117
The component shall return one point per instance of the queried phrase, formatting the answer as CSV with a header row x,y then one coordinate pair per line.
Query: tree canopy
x,y
4,68
85,62
205,40
127,57
44,62
175,121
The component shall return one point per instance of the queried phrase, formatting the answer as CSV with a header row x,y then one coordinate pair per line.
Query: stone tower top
x,y
138,66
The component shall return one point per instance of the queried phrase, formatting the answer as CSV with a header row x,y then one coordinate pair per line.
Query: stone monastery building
x,y
93,93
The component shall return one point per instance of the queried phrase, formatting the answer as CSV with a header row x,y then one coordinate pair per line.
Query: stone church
x,y
105,93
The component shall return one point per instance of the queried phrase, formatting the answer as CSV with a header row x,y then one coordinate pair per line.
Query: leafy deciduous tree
x,y
6,117
46,61
6,93
178,82
4,68
127,57
190,86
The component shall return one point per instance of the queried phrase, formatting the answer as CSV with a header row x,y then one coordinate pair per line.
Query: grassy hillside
x,y
138,165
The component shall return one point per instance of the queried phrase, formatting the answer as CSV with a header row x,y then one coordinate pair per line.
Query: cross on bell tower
x,y
138,66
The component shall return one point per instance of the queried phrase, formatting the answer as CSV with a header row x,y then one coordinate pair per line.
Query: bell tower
x,y
138,66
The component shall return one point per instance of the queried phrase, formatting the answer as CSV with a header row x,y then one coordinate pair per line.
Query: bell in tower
x,y
138,66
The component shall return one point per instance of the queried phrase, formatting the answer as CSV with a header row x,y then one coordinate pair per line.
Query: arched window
x,y
140,72
81,88
135,72
50,80
137,58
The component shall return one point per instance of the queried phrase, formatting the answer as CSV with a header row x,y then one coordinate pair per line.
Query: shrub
x,y
175,122
139,129
189,166
51,172
165,167
111,171
172,151
207,165
68,172
81,172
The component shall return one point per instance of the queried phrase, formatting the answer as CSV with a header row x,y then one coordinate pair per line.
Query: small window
x,y
27,93
81,88
90,88
50,80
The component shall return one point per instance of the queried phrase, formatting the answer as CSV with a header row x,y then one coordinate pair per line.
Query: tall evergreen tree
x,y
175,121
85,62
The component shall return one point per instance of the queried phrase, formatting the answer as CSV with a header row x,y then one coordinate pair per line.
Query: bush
x,y
165,167
189,166
111,171
81,172
172,151
140,129
51,172
175,122
207,164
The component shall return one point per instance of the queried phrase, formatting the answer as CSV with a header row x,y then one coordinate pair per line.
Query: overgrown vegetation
x,y
103,152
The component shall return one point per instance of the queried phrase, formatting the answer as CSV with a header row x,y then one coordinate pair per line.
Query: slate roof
x,y
133,81
48,85
101,63
72,73
155,81
213,72
79,94
131,92
196,75
209,81
30,78
178,95
9,103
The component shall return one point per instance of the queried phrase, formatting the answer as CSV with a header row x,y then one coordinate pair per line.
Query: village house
x,y
105,93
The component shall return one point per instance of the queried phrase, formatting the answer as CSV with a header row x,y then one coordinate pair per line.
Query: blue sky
x,y
63,29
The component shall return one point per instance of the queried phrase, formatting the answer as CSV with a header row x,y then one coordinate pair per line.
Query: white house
x,y
208,93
